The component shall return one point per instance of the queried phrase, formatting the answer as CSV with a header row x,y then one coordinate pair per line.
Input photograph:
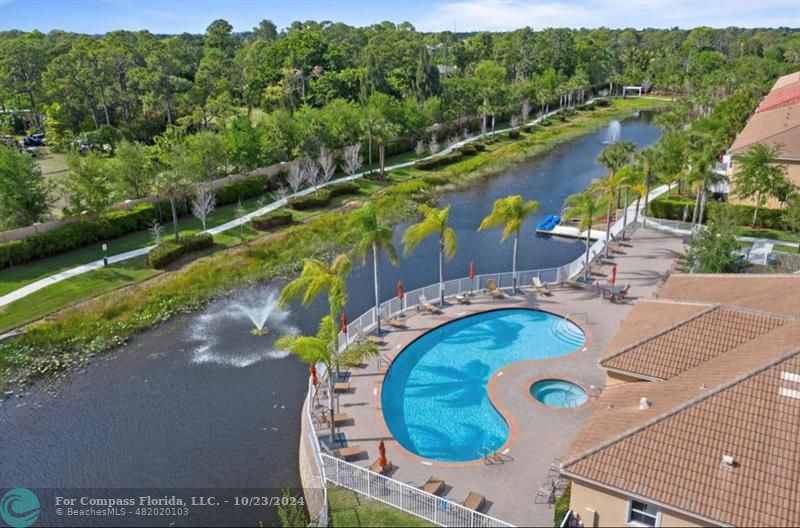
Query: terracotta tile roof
x,y
777,127
743,401
676,459
777,98
786,80
695,340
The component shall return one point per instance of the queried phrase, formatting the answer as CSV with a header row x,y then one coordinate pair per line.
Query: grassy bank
x,y
349,509
83,330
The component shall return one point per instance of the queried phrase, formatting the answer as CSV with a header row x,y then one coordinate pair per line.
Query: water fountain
x,y
222,330
613,132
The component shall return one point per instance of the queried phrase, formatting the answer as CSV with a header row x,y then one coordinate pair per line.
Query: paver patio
x,y
538,434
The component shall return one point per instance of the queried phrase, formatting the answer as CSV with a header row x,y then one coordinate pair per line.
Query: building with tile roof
x,y
699,422
776,123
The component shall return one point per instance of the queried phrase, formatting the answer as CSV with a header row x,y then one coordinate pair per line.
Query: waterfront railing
x,y
405,497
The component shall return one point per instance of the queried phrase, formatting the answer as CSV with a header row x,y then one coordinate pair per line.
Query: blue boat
x,y
548,223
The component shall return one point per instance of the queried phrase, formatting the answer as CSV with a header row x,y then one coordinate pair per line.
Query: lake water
x,y
200,402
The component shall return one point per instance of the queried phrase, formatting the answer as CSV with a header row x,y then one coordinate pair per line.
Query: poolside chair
x,y
341,386
369,338
377,468
496,292
541,287
427,307
463,299
434,486
474,501
597,271
349,452
338,419
395,323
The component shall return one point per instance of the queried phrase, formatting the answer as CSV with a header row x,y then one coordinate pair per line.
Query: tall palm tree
x,y
373,236
616,156
317,349
318,277
608,189
434,222
626,178
647,159
510,212
584,206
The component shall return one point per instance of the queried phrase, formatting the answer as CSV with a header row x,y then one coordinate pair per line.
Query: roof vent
x,y
703,386
728,461
609,406
644,404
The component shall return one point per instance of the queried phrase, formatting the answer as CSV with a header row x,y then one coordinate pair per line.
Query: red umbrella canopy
x,y
613,278
344,323
471,269
400,291
382,454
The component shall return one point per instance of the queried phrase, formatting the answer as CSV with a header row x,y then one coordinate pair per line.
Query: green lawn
x,y
347,508
773,234
18,276
71,290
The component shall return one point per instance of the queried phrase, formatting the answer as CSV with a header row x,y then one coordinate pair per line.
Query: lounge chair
x,y
369,338
474,501
463,299
349,452
377,468
396,323
597,271
426,306
434,486
496,292
338,419
341,386
541,287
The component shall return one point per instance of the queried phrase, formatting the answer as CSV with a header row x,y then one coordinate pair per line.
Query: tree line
x,y
130,106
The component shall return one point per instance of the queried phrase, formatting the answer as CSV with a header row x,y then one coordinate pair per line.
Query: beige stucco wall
x,y
599,507
792,173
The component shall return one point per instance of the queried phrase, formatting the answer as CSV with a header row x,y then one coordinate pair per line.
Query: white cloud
x,y
501,15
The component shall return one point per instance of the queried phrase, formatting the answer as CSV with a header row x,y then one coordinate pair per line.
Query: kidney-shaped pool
x,y
434,395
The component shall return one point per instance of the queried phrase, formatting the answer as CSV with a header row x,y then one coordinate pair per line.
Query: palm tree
x,y
585,206
647,159
626,178
510,212
434,222
616,156
759,175
172,184
608,189
373,236
317,349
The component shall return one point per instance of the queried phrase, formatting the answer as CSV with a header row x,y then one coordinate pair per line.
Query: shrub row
x,y
672,209
170,251
439,161
514,134
116,223
323,197
272,219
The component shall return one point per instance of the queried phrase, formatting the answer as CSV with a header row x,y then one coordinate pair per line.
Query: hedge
x,y
116,223
343,189
513,134
272,219
439,161
672,209
315,200
170,251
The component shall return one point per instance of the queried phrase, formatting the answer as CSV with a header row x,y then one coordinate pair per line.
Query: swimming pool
x,y
434,394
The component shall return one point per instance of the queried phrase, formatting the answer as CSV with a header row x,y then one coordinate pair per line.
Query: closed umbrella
x,y
613,278
344,323
382,461
312,371
471,275
400,291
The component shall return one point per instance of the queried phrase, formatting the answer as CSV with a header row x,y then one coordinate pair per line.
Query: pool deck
x,y
539,434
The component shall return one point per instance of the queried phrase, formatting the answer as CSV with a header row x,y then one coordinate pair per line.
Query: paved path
x,y
97,264
538,434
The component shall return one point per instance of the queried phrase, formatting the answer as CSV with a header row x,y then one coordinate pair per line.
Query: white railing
x,y
319,518
405,497
408,498
672,226
411,299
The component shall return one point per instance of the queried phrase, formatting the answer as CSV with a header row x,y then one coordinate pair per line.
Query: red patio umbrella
x,y
613,278
382,461
400,291
471,269
344,323
312,371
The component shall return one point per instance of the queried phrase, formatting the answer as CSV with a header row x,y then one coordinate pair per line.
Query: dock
x,y
571,232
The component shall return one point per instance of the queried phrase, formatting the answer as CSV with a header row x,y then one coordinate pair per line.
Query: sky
x,y
177,16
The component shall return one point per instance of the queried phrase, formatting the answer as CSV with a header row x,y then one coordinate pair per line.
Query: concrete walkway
x,y
98,264
538,434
